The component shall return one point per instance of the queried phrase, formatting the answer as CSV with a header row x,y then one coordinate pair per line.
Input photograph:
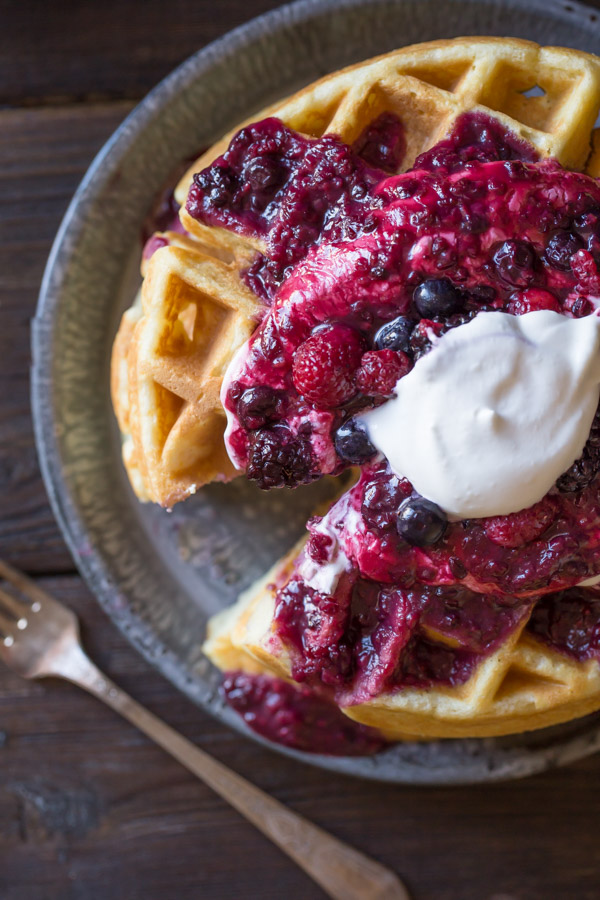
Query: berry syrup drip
x,y
164,217
372,638
552,545
569,622
475,138
297,717
294,191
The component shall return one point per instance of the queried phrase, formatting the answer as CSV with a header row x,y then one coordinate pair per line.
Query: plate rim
x,y
94,569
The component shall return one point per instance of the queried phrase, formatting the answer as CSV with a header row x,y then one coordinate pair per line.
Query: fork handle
x,y
342,872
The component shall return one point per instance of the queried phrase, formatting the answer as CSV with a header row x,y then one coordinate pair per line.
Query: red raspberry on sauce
x,y
324,368
586,272
380,371
521,527
532,300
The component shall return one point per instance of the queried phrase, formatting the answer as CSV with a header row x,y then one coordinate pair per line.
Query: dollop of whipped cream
x,y
486,422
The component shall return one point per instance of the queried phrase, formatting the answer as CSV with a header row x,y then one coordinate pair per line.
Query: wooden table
x,y
88,807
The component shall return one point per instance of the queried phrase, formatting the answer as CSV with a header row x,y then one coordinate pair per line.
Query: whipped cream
x,y
233,372
486,422
324,577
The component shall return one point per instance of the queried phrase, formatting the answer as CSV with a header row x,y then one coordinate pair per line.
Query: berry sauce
x,y
296,717
362,268
569,622
553,545
163,217
437,246
293,191
371,637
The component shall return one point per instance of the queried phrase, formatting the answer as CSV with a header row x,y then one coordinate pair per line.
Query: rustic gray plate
x,y
160,576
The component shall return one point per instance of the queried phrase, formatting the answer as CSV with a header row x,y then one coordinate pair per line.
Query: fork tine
x,y
24,584
6,626
10,604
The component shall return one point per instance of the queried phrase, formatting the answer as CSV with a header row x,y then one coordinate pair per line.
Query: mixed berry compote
x,y
362,269
297,717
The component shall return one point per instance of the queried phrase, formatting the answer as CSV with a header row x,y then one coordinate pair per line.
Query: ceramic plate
x,y
159,575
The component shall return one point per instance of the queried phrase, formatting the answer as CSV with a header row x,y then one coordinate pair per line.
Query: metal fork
x,y
39,637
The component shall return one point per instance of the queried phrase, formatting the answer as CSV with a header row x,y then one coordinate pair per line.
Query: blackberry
x,y
584,470
264,173
382,144
277,459
259,405
561,247
420,341
514,261
218,183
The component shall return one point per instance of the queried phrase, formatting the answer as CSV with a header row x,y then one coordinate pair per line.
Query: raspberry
x,y
532,300
380,371
521,527
586,272
325,366
319,547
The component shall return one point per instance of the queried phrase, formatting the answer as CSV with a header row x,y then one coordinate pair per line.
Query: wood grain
x,y
85,801
43,155
89,808
74,52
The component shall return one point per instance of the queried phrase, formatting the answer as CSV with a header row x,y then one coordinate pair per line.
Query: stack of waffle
x,y
195,311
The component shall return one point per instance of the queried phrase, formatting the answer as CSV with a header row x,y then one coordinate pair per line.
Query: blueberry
x,y
263,173
420,522
561,247
514,261
395,335
436,297
588,224
352,443
258,405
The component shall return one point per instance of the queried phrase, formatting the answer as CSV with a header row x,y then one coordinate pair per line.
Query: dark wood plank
x,y
43,155
90,809
110,50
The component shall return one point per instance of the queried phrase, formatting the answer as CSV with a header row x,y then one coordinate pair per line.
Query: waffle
x,y
428,86
166,397
169,357
521,686
549,96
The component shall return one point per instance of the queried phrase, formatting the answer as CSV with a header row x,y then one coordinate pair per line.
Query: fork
x,y
39,638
